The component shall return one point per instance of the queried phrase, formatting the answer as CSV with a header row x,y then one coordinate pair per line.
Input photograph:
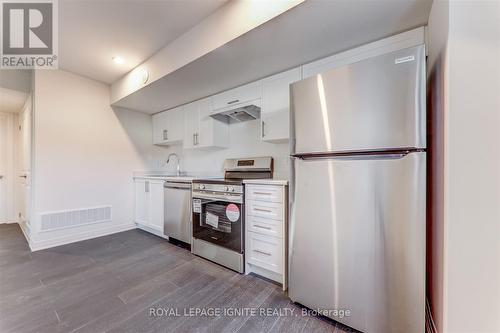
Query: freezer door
x,y
377,103
357,240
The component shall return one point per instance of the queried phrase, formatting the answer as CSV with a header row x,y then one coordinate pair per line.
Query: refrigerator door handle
x,y
354,156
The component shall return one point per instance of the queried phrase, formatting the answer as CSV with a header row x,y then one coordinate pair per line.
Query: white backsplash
x,y
244,142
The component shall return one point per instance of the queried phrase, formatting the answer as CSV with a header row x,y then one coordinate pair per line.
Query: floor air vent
x,y
73,218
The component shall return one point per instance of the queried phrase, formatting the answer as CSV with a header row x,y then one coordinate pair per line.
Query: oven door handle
x,y
226,198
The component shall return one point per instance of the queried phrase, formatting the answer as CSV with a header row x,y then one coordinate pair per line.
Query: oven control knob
x,y
226,188
202,187
231,189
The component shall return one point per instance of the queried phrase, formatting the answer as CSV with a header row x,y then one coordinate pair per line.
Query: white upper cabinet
x,y
168,127
191,124
275,112
212,132
201,130
238,95
390,44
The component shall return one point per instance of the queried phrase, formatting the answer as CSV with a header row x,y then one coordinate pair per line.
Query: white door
x,y
3,168
24,165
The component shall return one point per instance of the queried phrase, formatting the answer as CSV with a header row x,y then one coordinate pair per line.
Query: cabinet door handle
x,y
262,227
146,187
263,126
194,139
234,101
197,141
263,210
165,135
263,252
262,193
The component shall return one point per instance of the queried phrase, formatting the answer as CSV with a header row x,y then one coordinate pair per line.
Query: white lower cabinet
x,y
149,204
265,231
266,210
156,205
265,226
265,251
141,202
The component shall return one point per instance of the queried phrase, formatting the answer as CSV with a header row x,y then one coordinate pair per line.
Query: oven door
x,y
219,221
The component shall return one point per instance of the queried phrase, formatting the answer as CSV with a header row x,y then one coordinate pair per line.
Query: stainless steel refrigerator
x,y
358,192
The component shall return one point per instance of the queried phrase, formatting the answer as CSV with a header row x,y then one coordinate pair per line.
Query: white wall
x,y
472,168
244,142
464,53
437,69
16,79
84,154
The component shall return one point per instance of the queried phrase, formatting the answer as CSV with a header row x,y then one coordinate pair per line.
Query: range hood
x,y
239,112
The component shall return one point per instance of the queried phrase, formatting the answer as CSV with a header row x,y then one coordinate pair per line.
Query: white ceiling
x,y
312,30
92,32
11,100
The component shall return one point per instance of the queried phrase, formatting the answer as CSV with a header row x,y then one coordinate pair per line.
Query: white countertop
x,y
269,181
152,175
184,179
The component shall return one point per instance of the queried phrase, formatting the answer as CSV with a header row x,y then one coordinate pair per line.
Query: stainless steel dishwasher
x,y
177,220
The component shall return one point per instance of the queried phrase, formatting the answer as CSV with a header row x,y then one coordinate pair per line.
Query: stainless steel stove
x,y
219,211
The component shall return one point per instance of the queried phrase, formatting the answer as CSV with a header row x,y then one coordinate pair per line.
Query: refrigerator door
x,y
374,104
357,240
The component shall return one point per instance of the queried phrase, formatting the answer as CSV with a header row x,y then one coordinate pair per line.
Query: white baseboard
x,y
150,230
25,228
45,244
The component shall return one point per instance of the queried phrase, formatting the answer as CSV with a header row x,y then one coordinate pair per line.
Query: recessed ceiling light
x,y
118,60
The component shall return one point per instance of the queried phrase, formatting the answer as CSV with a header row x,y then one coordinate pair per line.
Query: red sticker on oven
x,y
232,212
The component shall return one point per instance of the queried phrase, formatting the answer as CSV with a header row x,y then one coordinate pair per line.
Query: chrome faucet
x,y
178,162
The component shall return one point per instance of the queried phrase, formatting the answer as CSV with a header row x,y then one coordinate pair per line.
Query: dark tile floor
x,y
111,283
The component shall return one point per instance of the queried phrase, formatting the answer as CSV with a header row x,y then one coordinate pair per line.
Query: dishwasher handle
x,y
177,185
